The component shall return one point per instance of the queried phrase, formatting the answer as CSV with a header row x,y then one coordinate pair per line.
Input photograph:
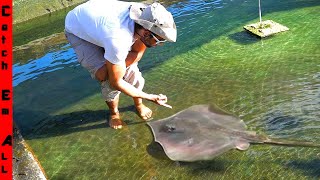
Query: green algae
x,y
28,9
39,27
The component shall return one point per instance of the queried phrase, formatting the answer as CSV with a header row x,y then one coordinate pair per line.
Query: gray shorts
x,y
91,57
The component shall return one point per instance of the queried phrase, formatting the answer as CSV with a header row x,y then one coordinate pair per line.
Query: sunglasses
x,y
158,42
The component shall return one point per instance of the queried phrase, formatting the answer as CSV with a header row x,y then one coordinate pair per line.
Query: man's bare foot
x,y
144,112
115,122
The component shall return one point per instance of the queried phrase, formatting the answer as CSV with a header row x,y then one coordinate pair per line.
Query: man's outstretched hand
x,y
160,100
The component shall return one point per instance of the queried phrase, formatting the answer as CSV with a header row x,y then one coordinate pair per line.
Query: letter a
x,y
7,141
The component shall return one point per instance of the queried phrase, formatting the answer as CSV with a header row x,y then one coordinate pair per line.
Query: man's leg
x,y
91,57
111,97
134,77
114,119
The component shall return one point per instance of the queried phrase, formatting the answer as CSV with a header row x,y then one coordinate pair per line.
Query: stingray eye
x,y
170,127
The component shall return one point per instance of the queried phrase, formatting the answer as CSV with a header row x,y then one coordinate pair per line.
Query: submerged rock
x,y
265,28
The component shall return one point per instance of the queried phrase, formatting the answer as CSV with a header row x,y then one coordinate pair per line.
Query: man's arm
x,y
115,76
136,53
116,73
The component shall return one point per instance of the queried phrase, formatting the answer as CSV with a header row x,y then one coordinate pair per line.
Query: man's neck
x,y
137,31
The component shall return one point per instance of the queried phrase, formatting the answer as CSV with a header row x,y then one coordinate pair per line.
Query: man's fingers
x,y
162,97
166,105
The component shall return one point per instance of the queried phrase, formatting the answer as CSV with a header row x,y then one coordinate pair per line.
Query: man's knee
x,y
101,74
140,83
108,93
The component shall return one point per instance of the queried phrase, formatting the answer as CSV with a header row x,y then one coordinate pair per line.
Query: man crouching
x,y
109,38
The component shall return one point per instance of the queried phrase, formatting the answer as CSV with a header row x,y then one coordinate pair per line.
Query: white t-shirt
x,y
105,23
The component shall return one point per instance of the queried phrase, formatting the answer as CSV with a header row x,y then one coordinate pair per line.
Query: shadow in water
x,y
244,37
68,123
311,168
279,123
198,167
155,150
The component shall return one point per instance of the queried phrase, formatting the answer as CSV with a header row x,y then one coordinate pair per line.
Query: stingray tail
x,y
282,142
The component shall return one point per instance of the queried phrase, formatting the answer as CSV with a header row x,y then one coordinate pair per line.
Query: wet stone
x,y
265,28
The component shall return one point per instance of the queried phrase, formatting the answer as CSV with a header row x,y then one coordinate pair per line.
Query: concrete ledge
x,y
25,165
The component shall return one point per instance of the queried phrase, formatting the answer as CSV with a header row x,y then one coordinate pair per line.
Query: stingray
x,y
202,132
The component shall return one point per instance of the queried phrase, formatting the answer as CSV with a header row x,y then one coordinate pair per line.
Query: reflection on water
x,y
52,61
272,84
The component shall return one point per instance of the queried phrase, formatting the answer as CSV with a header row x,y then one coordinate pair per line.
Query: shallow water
x,y
273,84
